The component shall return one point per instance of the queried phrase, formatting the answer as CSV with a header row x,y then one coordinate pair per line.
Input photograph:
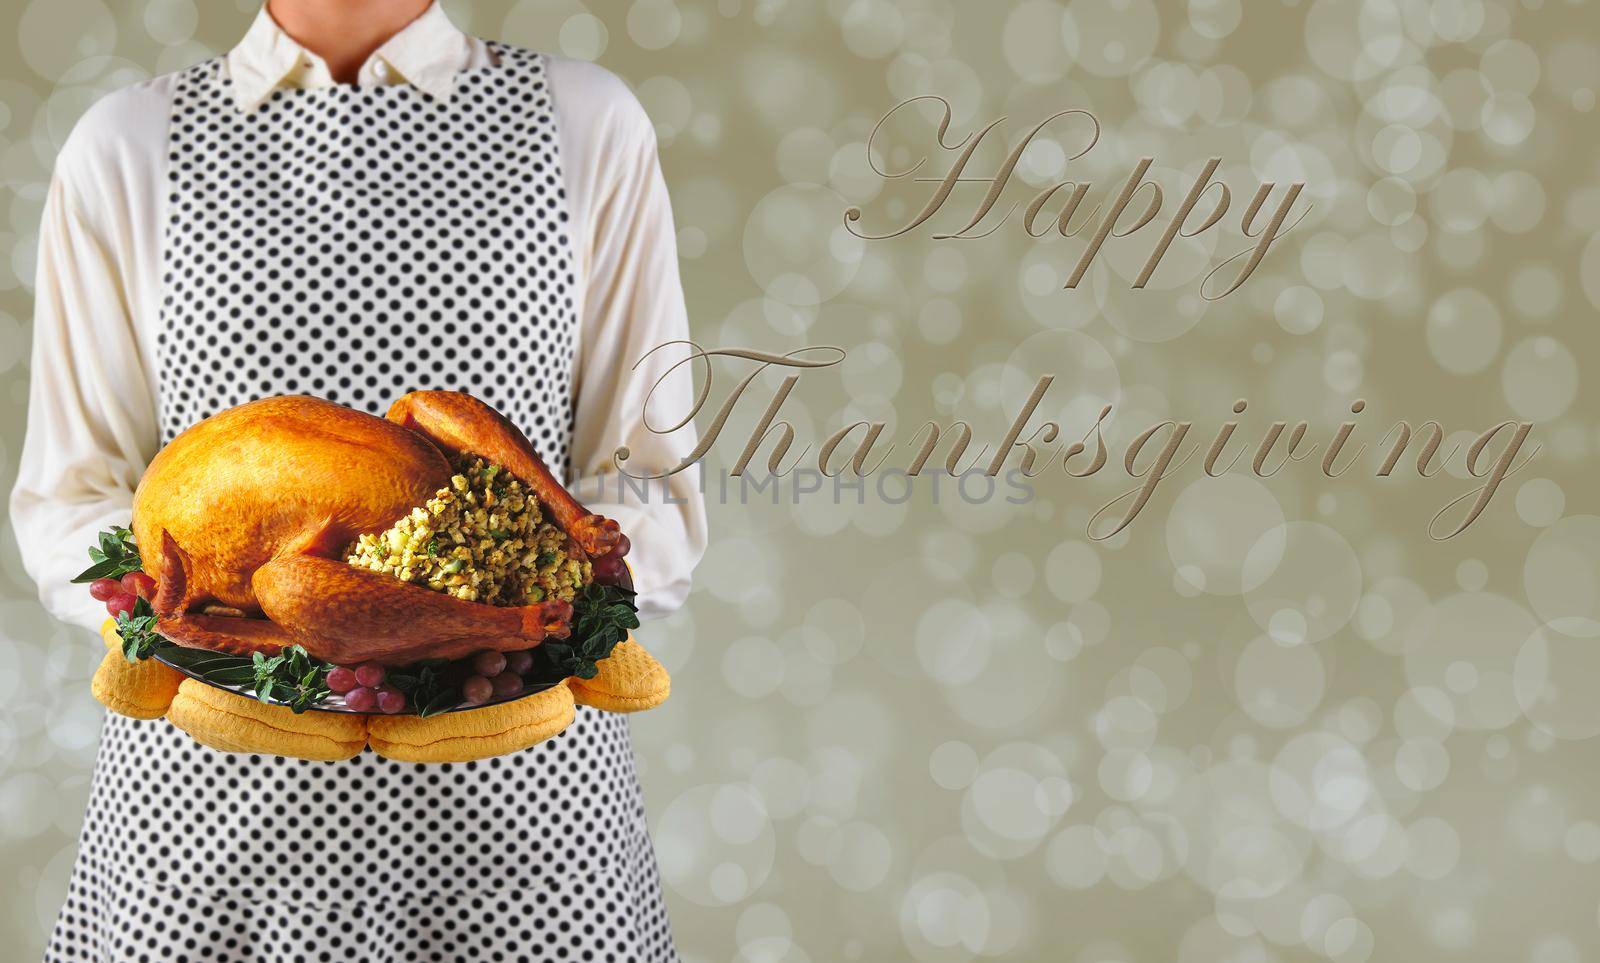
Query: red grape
x,y
104,588
139,584
519,662
391,700
120,603
361,700
369,674
489,664
506,684
609,569
342,679
477,690
622,546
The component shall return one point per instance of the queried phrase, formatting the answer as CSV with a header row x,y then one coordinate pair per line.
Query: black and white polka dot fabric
x,y
357,243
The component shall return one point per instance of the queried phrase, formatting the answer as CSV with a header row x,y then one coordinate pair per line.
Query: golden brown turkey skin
x,y
257,481
248,512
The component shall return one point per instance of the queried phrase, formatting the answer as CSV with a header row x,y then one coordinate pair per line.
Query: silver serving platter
x,y
532,684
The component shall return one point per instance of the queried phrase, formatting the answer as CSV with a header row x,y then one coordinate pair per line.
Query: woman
x,y
355,201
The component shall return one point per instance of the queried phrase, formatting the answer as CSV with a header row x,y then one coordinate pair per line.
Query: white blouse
x,y
92,424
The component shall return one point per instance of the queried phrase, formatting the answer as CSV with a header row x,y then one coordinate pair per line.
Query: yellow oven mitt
x,y
628,681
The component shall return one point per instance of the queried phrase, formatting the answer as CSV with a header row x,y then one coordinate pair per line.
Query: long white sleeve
x,y
91,411
632,303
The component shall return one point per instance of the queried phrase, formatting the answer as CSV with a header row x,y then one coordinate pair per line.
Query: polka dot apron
x,y
357,243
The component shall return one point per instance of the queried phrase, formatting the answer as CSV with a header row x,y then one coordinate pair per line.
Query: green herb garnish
x,y
429,686
114,557
137,629
602,615
291,678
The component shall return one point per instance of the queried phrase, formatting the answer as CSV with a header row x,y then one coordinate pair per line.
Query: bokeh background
x,y
1273,720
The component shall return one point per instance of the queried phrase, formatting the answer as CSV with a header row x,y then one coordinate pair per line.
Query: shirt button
x,y
380,70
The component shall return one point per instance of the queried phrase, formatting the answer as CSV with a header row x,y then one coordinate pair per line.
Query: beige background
x,y
1273,721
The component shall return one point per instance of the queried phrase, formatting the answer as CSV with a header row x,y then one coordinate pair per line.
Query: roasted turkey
x,y
243,519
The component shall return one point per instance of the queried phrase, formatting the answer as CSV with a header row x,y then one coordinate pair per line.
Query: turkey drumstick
x,y
459,423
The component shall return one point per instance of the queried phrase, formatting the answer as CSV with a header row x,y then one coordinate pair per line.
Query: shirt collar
x,y
428,53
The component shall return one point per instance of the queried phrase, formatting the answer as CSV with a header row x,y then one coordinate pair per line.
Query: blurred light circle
x,y
1424,713
954,641
1391,200
1461,199
1075,858
1217,525
1252,862
1348,941
783,784
1561,574
797,246
1276,685
1421,765
1463,330
1466,646
1306,569
1535,290
171,21
53,51
1519,201
944,910
1589,269
1540,502
753,667
583,37
859,856
1007,688
1215,19
671,107
1320,782
715,844
1507,120
1085,380
1161,679
1298,309
1112,38
1072,571
1510,66
1031,41
1006,802
1540,378
1582,842
654,24
940,320
1557,676
872,28
953,764
1125,774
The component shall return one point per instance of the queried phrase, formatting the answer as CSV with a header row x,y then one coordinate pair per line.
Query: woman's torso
x,y
356,243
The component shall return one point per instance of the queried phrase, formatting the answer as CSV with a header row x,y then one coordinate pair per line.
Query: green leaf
x,y
231,677
205,663
601,617
291,678
441,701
114,556
137,630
